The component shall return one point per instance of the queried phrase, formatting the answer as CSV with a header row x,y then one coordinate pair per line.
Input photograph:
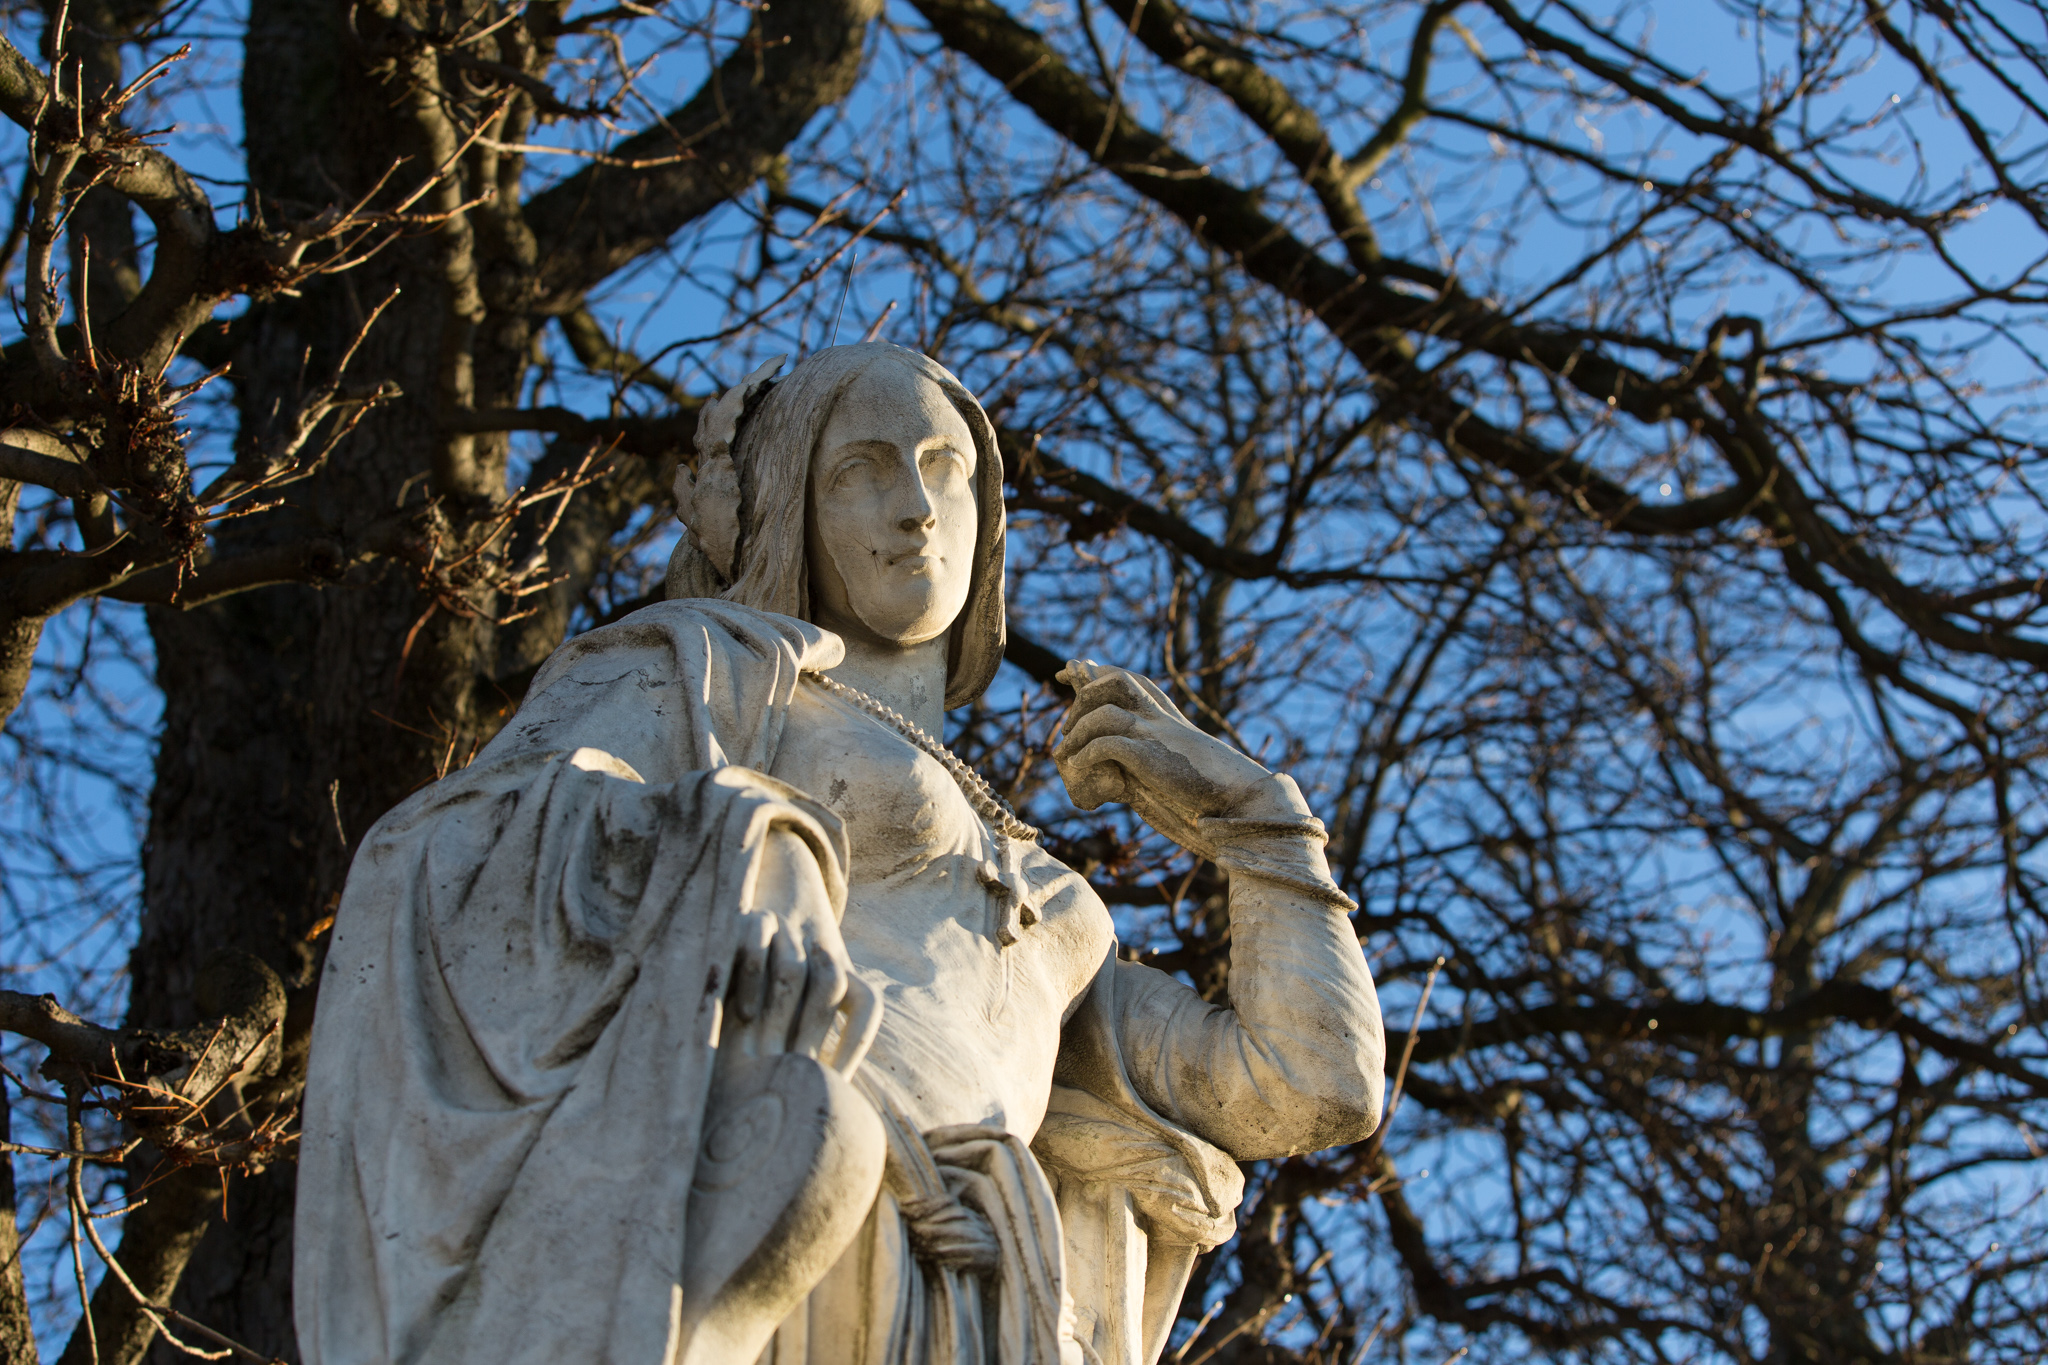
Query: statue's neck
x,y
911,679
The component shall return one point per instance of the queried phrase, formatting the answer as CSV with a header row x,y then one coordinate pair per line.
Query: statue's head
x,y
868,498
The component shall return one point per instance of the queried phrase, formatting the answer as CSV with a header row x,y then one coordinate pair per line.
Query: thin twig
x,y
74,1133
1379,1137
111,1156
1370,1338
1255,1321
1200,1327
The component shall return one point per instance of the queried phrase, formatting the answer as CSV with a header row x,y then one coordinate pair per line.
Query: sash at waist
x,y
982,1217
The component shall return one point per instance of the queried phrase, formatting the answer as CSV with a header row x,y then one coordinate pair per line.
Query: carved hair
x,y
773,452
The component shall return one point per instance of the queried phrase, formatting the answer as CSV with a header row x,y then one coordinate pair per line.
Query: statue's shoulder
x,y
694,638
673,687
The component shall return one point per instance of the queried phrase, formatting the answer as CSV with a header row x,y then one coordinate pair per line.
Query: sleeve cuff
x,y
1287,853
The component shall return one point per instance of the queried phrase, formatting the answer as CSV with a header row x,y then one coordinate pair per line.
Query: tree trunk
x,y
17,1334
294,714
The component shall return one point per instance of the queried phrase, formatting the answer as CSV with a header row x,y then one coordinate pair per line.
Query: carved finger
x,y
1094,787
1104,720
1160,780
1163,701
1078,673
788,967
1107,686
1096,685
750,971
1139,758
823,991
1097,773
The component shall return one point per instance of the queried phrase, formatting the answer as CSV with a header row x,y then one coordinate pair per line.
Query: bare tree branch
x,y
796,59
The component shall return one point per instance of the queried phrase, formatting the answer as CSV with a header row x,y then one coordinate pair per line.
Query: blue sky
x,y
90,727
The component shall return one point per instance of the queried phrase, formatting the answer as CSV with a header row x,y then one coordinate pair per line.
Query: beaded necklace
x,y
979,794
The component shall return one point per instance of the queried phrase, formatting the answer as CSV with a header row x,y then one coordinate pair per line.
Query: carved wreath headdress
x,y
708,498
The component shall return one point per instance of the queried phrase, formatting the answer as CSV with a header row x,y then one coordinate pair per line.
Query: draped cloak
x,y
515,1032
514,1037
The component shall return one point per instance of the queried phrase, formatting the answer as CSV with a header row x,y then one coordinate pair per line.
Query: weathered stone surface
x,y
710,1013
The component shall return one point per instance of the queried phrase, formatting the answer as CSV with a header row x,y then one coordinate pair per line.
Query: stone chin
x,y
913,617
906,605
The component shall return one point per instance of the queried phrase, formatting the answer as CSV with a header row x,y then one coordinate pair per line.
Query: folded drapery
x,y
960,1264
1140,1197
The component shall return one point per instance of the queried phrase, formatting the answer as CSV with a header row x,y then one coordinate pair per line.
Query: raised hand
x,y
1126,741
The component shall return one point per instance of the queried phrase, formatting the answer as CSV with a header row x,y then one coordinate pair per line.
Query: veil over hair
x,y
773,452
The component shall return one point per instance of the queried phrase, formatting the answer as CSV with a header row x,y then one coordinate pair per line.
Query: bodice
x,y
970,1027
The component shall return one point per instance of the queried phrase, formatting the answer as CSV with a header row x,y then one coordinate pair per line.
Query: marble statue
x,y
717,1013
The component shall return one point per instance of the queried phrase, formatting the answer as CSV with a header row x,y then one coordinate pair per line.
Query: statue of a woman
x,y
717,1011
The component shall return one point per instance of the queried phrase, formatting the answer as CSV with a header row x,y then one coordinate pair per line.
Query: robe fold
x,y
520,1005
518,1008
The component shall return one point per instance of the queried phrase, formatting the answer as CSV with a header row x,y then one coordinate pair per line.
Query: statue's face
x,y
893,513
